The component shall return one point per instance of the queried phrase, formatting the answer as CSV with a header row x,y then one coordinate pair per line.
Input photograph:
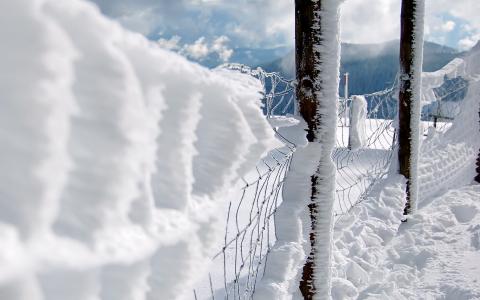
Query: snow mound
x,y
114,156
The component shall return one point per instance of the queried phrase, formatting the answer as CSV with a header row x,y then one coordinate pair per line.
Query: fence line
x,y
249,228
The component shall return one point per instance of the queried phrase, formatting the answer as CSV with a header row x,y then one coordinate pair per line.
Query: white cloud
x,y
465,10
448,26
253,23
372,22
466,43
197,50
200,49
469,41
219,46
170,44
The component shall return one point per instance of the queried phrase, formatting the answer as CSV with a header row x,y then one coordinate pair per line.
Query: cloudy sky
x,y
202,26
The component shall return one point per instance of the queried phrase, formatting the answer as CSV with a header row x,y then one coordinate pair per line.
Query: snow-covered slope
x,y
114,154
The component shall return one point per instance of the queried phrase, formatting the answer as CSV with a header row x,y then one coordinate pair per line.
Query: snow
x,y
293,221
118,157
457,148
281,277
357,137
112,178
435,253
326,89
432,80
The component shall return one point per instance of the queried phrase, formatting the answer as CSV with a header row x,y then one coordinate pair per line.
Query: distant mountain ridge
x,y
371,67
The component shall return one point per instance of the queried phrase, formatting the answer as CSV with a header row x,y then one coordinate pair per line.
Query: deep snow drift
x,y
114,155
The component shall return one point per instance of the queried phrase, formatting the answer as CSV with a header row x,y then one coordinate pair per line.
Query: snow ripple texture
x,y
114,156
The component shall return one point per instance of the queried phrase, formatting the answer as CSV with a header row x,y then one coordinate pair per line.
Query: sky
x,y
200,27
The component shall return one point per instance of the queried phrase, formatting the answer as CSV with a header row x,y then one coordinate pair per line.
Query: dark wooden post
x,y
305,58
317,54
411,55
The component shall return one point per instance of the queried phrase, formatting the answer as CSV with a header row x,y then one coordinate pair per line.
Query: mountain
x,y
371,67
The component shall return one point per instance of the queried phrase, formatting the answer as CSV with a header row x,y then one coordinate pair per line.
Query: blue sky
x,y
226,24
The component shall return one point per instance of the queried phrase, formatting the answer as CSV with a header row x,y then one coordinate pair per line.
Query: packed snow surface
x,y
114,156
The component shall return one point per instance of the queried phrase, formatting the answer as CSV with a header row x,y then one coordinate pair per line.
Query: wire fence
x,y
249,227
448,98
358,170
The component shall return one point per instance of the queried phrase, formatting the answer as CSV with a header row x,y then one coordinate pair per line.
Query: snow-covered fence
x,y
442,94
249,236
446,100
359,169
116,156
279,92
249,231
455,144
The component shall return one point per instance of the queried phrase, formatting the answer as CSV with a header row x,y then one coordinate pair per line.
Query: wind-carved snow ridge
x,y
114,157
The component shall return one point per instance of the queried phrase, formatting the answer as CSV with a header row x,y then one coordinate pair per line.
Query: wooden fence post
x,y
411,56
317,55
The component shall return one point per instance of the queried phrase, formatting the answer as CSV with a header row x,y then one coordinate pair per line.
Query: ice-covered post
x,y
411,57
357,136
317,51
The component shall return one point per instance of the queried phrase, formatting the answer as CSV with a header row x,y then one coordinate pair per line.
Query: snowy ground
x,y
356,170
446,235
434,255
